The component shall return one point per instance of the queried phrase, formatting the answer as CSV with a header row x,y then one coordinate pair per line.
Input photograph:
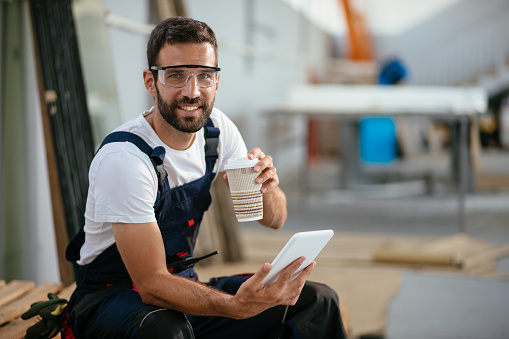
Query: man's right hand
x,y
253,297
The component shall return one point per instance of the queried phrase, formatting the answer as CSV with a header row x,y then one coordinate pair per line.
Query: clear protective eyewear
x,y
178,76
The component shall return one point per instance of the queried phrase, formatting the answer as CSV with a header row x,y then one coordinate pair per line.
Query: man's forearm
x,y
187,296
274,209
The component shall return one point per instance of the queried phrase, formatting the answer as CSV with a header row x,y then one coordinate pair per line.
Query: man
x,y
148,191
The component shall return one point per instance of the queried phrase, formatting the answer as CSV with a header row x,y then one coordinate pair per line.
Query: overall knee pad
x,y
157,322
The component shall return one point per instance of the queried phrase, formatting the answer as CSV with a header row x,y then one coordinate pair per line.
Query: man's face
x,y
187,109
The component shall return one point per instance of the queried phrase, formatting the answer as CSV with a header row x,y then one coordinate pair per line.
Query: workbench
x,y
349,103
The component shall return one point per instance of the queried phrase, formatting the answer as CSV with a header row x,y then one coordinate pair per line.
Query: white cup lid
x,y
240,163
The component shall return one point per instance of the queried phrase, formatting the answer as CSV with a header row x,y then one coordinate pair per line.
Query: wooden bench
x,y
16,298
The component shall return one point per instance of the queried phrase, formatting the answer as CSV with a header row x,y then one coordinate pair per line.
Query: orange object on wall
x,y
361,45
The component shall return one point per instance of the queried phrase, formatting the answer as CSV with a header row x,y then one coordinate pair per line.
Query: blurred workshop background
x,y
388,121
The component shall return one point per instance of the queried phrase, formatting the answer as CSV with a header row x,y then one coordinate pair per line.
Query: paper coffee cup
x,y
246,193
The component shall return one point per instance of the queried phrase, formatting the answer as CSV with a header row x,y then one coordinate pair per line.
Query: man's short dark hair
x,y
177,30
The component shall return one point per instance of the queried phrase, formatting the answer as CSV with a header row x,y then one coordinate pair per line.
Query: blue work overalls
x,y
105,305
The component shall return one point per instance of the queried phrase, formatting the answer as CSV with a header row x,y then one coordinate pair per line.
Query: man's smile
x,y
189,108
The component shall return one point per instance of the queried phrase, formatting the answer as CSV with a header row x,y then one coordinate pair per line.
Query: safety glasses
x,y
178,76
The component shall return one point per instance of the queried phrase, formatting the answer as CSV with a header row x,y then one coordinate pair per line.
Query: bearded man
x,y
148,189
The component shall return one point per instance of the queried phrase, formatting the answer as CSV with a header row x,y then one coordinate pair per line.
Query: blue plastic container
x,y
378,142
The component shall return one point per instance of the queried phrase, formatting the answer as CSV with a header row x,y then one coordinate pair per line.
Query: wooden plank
x,y
15,289
20,306
67,292
492,182
486,257
405,256
16,329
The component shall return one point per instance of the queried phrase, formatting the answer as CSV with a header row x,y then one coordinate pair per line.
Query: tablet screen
x,y
307,244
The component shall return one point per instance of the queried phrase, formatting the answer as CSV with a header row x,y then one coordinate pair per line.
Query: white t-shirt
x,y
123,183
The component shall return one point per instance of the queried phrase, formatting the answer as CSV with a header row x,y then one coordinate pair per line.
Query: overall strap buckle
x,y
157,159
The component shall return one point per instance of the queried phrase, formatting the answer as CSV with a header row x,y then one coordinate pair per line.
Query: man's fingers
x,y
264,163
289,271
294,287
256,153
305,273
262,272
225,179
265,166
266,174
270,184
283,291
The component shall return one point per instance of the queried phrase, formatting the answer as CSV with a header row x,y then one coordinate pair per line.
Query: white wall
x,y
129,57
454,46
396,17
98,67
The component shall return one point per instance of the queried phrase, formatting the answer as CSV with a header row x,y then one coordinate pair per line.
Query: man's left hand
x,y
265,166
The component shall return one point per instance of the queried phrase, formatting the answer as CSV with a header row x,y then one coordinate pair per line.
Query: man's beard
x,y
187,124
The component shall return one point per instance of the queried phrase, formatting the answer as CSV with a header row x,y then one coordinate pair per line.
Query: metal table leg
x,y
463,167
350,166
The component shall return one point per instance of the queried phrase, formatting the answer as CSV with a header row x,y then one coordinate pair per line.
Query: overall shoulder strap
x,y
122,136
211,144
156,155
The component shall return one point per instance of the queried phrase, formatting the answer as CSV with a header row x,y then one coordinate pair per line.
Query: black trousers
x,y
316,315
122,314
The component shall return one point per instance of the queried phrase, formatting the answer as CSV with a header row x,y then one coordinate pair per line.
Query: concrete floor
x,y
428,305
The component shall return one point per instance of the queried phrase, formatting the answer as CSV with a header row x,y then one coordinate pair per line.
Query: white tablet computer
x,y
302,244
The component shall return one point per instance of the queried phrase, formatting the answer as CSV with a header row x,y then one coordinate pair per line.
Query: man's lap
x,y
122,311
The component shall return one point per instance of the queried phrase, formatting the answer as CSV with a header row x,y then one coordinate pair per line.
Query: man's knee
x,y
320,293
156,322
323,305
